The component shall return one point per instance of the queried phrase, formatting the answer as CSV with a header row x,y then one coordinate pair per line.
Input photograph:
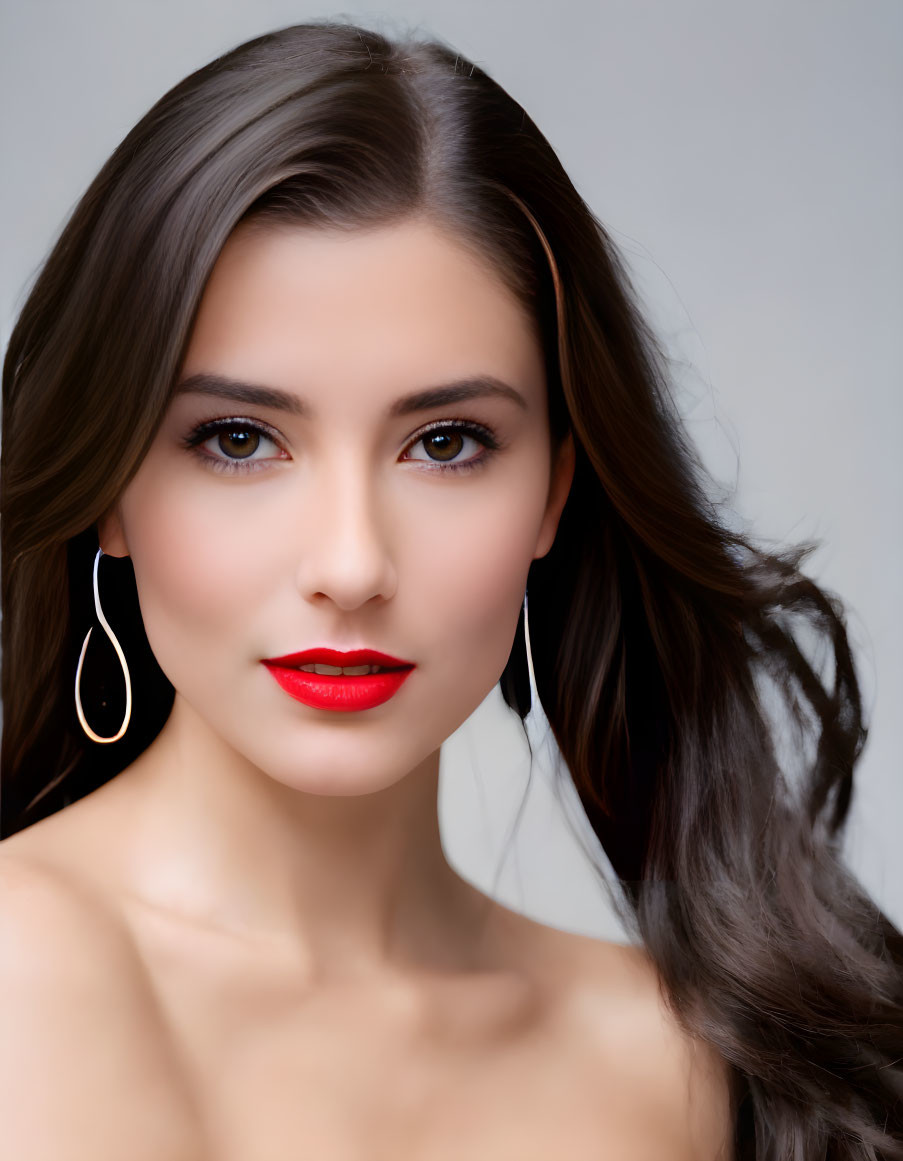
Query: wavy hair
x,y
668,649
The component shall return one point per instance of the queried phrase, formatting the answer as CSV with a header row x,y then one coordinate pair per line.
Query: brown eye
x,y
444,442
232,445
238,442
447,444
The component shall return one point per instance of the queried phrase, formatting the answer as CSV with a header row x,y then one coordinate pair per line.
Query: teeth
x,y
345,671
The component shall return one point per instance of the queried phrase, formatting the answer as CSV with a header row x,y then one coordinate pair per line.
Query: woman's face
x,y
329,513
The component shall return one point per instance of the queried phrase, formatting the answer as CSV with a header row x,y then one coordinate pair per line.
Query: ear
x,y
559,488
110,533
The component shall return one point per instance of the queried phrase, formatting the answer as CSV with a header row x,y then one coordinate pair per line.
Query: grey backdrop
x,y
747,158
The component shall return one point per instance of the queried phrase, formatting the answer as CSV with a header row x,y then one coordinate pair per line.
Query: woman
x,y
347,375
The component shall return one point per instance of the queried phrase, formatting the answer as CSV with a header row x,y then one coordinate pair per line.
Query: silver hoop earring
x,y
125,669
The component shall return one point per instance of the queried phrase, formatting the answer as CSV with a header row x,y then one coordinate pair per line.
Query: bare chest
x,y
315,1088
352,1074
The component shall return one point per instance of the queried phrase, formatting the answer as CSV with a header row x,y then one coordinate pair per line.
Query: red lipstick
x,y
343,692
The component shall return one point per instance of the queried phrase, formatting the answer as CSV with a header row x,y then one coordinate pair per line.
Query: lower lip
x,y
337,692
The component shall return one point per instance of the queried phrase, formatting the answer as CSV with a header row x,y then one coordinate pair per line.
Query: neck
x,y
356,883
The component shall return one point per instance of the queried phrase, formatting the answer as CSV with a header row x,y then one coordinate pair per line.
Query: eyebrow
x,y
470,387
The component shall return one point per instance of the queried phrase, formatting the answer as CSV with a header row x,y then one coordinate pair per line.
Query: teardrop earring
x,y
125,669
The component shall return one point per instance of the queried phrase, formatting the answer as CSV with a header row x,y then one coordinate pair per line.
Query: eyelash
x,y
204,431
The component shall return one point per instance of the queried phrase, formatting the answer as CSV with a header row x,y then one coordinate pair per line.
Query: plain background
x,y
747,158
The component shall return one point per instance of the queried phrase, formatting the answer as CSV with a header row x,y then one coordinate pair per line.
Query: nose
x,y
346,555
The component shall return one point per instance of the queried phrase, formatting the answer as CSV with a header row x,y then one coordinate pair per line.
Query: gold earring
x,y
125,669
529,654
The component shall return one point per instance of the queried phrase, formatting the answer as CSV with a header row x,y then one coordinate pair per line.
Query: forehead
x,y
379,308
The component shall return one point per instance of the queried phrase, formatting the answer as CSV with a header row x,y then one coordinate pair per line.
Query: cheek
x,y
469,575
192,562
488,576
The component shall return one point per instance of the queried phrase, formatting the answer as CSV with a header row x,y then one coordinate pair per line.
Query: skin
x,y
268,908
291,819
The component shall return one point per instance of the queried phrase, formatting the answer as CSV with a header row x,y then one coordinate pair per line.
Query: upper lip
x,y
324,656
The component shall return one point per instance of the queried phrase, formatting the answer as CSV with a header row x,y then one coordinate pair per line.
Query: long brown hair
x,y
658,634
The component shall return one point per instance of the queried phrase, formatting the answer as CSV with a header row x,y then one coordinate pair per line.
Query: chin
x,y
341,768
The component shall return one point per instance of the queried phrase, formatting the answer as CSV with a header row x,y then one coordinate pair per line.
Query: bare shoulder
x,y
679,1087
41,906
651,1086
55,932
82,1036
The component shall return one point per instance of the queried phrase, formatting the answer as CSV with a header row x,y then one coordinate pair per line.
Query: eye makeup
x,y
206,432
230,465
